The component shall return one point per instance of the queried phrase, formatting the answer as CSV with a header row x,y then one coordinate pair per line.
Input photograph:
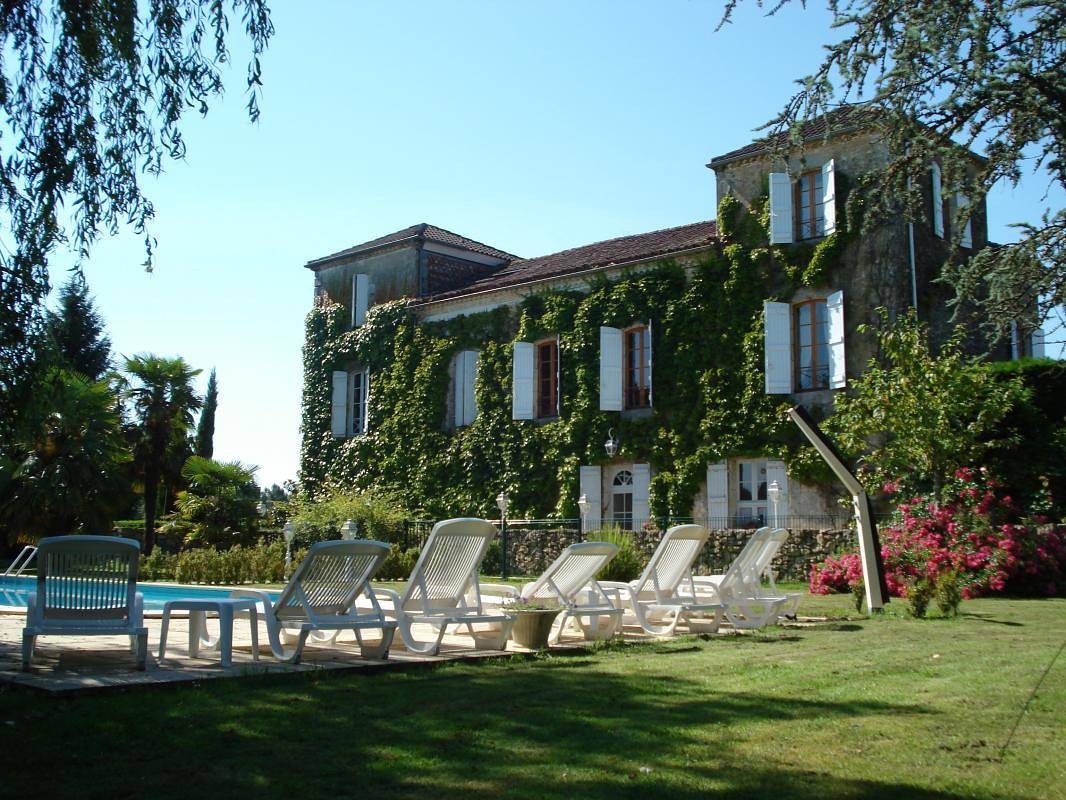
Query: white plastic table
x,y
226,608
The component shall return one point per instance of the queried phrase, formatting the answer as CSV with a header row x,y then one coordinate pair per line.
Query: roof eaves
x,y
461,295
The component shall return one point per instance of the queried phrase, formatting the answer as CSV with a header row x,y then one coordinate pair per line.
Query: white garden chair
x,y
86,586
322,596
746,605
571,582
657,600
443,589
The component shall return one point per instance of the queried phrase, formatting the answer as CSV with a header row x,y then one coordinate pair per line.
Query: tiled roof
x,y
601,254
423,232
841,119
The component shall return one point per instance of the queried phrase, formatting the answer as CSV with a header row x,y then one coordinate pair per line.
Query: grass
x,y
853,707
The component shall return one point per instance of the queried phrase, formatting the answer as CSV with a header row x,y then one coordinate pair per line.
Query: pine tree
x,y
205,428
77,331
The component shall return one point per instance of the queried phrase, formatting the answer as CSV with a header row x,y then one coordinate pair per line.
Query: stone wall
x,y
530,551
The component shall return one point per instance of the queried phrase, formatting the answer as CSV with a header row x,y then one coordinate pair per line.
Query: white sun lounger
x,y
86,586
443,589
657,600
571,582
322,595
738,590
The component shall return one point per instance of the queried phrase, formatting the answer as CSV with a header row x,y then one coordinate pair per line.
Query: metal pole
x,y
503,547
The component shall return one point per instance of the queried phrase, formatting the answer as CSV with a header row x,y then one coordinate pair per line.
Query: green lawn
x,y
888,707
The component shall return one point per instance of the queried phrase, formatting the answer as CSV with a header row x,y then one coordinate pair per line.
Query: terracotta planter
x,y
532,628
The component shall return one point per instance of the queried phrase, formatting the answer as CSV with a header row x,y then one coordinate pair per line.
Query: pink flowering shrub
x,y
976,533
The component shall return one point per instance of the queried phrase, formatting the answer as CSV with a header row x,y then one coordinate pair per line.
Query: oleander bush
x,y
975,542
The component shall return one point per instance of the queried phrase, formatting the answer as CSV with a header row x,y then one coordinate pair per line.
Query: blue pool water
x,y
13,592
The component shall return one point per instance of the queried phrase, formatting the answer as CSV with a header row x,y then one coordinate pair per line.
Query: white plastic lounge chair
x,y
738,590
763,568
443,588
86,586
657,600
322,595
571,582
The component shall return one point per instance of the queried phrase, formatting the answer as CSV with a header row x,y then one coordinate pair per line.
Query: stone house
x,y
807,334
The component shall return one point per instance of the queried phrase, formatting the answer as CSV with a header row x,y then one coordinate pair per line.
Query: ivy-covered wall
x,y
709,400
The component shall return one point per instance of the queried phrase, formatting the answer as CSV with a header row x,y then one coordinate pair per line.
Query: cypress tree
x,y
77,331
205,428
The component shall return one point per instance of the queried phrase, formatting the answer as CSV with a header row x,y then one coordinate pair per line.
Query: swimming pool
x,y
13,592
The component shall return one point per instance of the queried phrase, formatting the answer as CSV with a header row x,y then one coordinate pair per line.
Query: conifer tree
x,y
77,331
205,427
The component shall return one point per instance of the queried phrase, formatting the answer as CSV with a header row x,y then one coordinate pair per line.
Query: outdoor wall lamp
x,y
611,445
502,502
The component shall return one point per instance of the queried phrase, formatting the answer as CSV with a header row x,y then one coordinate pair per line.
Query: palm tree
x,y
162,400
67,466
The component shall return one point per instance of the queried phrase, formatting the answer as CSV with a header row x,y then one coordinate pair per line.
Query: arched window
x,y
622,499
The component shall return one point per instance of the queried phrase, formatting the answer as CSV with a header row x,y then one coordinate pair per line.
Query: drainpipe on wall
x,y
914,271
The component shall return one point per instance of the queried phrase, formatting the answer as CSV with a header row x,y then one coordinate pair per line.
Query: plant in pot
x,y
534,623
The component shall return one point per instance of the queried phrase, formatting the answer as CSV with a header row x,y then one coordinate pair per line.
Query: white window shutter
x,y
781,222
776,471
610,369
938,200
834,305
339,404
641,495
589,486
469,378
360,290
961,201
1036,343
717,495
522,381
777,328
829,196
460,389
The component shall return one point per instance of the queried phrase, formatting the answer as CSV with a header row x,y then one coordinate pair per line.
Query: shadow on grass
x,y
990,620
560,727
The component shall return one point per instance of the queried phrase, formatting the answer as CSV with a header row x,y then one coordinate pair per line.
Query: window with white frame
x,y
810,206
622,500
751,493
811,345
358,394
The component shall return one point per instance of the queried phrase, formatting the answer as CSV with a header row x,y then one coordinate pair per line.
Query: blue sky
x,y
531,127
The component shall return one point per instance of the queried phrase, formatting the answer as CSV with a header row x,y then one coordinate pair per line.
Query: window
x,y
548,379
637,367
811,345
810,206
358,394
622,500
751,493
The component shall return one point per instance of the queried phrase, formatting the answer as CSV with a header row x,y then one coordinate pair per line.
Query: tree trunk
x,y
151,490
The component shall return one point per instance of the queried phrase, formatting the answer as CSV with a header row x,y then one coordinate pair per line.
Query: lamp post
x,y
774,492
349,530
502,502
289,531
612,444
583,506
